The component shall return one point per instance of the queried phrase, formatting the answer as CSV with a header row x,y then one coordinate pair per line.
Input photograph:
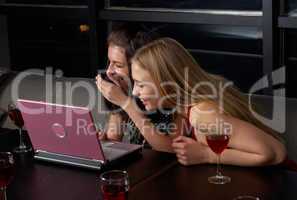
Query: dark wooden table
x,y
44,181
153,176
187,183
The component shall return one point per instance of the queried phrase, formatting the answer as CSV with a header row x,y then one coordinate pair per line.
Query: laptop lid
x,y
61,129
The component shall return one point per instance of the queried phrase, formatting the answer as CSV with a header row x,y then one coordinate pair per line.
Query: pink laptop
x,y
67,134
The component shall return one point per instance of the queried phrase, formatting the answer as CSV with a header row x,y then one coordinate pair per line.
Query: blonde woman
x,y
166,76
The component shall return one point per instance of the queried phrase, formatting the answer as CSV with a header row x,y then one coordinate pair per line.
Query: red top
x,y
289,164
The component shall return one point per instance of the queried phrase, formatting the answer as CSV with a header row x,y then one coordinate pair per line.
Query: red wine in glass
x,y
114,192
7,170
114,185
218,143
6,174
15,115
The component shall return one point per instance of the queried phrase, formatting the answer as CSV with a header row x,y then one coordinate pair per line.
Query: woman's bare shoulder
x,y
205,107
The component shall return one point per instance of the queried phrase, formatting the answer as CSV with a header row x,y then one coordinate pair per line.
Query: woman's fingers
x,y
98,82
181,154
182,138
114,80
182,142
180,149
183,161
178,145
178,139
104,86
101,135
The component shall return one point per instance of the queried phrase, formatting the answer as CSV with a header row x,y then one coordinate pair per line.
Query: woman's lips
x,y
144,101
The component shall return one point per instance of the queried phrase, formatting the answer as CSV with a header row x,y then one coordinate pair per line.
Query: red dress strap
x,y
190,127
289,164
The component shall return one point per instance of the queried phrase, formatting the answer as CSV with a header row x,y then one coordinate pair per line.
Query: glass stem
x,y
3,193
22,145
218,165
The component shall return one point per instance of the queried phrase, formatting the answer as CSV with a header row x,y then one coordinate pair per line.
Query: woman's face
x,y
118,70
144,87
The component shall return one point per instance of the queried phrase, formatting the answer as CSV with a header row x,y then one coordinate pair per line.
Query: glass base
x,y
3,193
246,197
219,179
22,149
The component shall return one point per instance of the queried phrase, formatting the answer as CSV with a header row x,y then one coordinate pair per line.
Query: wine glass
x,y
15,115
6,172
114,185
217,141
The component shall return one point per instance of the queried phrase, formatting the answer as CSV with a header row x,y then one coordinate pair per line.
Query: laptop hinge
x,y
70,160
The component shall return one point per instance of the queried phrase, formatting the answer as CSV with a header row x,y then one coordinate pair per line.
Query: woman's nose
x,y
135,91
110,70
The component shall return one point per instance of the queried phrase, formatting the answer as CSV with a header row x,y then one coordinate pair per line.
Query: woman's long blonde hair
x,y
169,62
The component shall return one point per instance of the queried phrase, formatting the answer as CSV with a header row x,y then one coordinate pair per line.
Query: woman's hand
x,y
189,151
122,82
111,92
101,136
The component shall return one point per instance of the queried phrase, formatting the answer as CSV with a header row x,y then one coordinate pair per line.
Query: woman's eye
x,y
119,66
140,85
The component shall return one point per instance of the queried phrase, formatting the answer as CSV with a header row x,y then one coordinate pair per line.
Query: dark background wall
x,y
39,42
54,38
4,48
